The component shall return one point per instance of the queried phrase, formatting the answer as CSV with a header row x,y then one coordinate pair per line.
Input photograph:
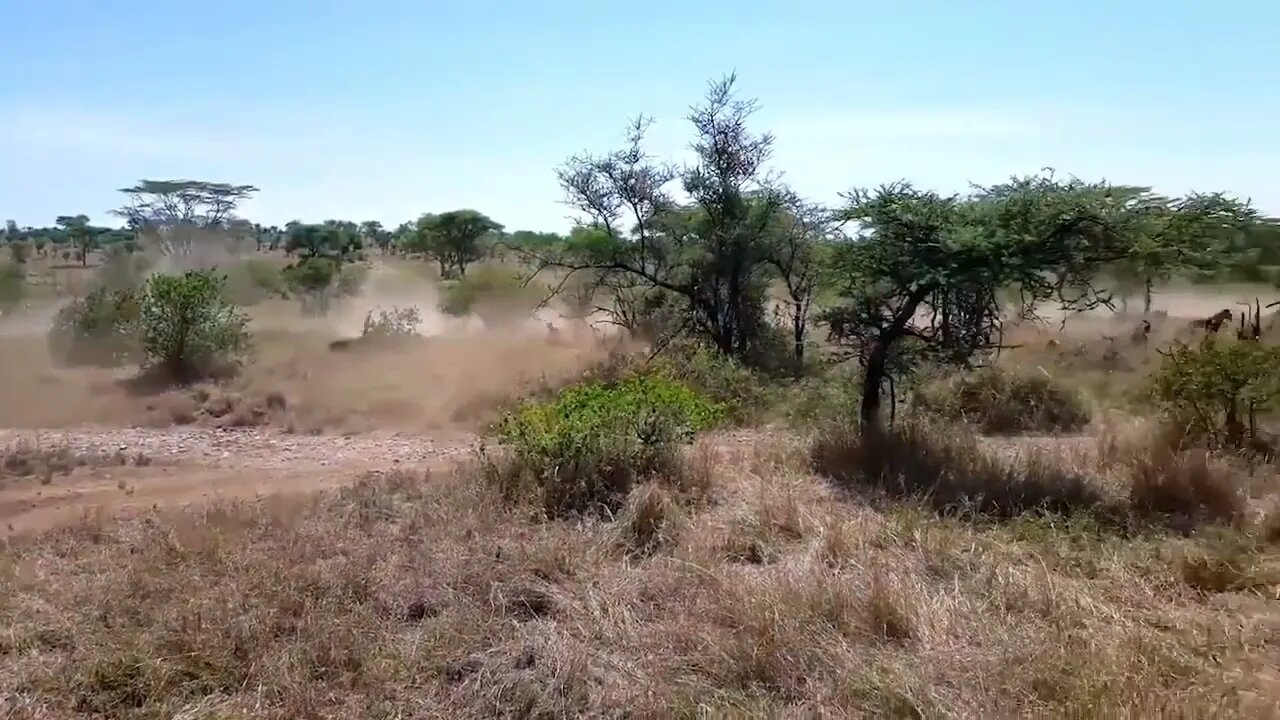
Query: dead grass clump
x,y
946,467
999,401
1228,562
650,519
1190,484
217,406
1172,479
24,458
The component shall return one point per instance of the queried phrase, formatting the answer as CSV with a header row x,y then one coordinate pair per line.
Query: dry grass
x,y
1002,402
945,466
429,597
26,458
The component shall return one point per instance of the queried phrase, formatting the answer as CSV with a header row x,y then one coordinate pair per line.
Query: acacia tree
x,y
921,280
174,215
803,234
82,237
1196,232
452,239
708,260
373,232
322,249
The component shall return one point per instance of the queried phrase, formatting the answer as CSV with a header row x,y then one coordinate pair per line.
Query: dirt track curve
x,y
195,464
192,464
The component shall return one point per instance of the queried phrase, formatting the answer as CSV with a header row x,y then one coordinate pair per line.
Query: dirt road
x,y
185,465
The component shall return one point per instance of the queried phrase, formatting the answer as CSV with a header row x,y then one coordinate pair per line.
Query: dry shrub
x,y
1167,477
1189,484
1225,561
1000,401
946,467
24,458
218,406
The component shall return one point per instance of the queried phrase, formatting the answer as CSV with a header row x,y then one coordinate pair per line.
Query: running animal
x,y
1141,333
1213,323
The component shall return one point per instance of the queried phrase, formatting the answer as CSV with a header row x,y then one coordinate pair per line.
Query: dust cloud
x,y
455,376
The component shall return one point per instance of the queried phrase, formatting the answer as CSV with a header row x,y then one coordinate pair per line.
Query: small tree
x,y
922,280
1217,389
175,216
188,327
12,285
19,251
452,239
374,234
712,256
803,235
322,249
82,237
329,240
1195,233
312,279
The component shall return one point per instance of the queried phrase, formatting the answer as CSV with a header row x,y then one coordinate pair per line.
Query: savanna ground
x,y
320,536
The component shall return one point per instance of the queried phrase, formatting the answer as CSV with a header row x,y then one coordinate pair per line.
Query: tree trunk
x,y
1146,296
797,329
872,381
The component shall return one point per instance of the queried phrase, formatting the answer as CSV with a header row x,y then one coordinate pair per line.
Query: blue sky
x,y
384,109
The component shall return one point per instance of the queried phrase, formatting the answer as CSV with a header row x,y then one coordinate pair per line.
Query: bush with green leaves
x,y
1215,391
12,285
1000,401
491,292
739,390
19,251
583,451
188,327
311,279
100,329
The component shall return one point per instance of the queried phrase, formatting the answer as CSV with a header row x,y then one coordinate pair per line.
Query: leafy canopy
x,y
921,279
188,327
453,239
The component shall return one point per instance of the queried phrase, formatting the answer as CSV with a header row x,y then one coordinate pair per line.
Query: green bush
x,y
739,390
19,251
491,292
100,329
999,401
583,451
311,279
12,285
1215,391
830,400
188,327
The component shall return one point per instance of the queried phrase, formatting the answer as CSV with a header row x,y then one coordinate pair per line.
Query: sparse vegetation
x,y
719,515
999,401
100,329
395,322
12,285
